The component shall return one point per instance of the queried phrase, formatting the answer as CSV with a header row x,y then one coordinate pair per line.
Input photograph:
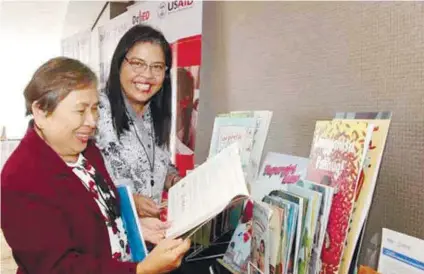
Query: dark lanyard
x,y
151,161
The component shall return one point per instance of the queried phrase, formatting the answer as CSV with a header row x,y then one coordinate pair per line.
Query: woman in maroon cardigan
x,y
59,208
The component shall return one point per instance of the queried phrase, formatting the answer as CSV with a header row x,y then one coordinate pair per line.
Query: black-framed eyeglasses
x,y
140,66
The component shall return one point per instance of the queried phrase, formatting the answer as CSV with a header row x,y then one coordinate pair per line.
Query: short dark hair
x,y
54,80
160,103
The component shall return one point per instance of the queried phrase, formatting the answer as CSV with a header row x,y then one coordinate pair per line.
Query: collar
x,y
35,143
78,163
58,175
131,111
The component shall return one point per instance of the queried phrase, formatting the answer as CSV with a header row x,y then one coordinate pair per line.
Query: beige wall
x,y
7,262
307,60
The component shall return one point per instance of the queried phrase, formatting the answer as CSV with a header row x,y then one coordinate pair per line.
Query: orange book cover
x,y
367,270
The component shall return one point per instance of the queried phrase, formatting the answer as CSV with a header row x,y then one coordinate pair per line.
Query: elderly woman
x,y
60,209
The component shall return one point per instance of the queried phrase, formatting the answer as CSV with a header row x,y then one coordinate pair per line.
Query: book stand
x,y
215,237
252,269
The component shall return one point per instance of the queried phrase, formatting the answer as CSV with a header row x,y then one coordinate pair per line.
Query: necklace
x,y
152,139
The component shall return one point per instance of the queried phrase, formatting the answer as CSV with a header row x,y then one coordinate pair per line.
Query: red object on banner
x,y
189,51
184,163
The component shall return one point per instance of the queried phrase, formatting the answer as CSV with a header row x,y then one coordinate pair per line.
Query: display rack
x,y
252,269
217,239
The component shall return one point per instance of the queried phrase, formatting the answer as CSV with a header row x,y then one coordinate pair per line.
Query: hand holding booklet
x,y
206,192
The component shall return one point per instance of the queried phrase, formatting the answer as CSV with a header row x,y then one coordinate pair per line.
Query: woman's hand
x,y
145,206
165,257
154,230
171,180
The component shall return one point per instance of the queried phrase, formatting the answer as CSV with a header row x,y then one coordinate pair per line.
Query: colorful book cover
x,y
314,203
131,224
367,270
289,230
229,130
275,238
226,131
279,226
277,171
260,249
369,174
324,211
302,206
336,159
284,233
263,119
237,255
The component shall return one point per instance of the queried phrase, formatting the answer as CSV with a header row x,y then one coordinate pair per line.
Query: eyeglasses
x,y
140,66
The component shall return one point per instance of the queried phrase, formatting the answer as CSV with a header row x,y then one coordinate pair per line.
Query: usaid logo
x,y
173,6
162,10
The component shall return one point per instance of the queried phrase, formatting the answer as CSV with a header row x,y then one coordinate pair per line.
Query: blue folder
x,y
132,224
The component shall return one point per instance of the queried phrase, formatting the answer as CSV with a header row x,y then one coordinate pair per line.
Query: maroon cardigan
x,y
49,219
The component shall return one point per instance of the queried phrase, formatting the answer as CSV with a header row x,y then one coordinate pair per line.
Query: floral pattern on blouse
x,y
126,160
117,234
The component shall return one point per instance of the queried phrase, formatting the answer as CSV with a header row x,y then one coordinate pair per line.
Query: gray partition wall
x,y
307,60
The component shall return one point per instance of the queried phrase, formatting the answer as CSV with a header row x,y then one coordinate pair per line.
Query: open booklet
x,y
205,192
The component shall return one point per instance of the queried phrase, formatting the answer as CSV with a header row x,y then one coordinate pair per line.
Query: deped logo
x,y
141,17
173,6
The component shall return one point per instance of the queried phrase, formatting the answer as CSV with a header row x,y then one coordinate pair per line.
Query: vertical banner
x,y
109,36
181,24
78,46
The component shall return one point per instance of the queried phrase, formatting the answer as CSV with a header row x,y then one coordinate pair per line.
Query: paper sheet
x,y
206,191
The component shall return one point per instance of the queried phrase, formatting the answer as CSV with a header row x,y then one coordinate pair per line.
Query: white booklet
x,y
206,191
400,253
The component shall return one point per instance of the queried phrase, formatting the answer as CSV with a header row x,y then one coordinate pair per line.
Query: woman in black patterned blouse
x,y
135,121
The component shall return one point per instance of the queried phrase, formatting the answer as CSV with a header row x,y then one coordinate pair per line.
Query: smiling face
x,y
68,128
142,73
